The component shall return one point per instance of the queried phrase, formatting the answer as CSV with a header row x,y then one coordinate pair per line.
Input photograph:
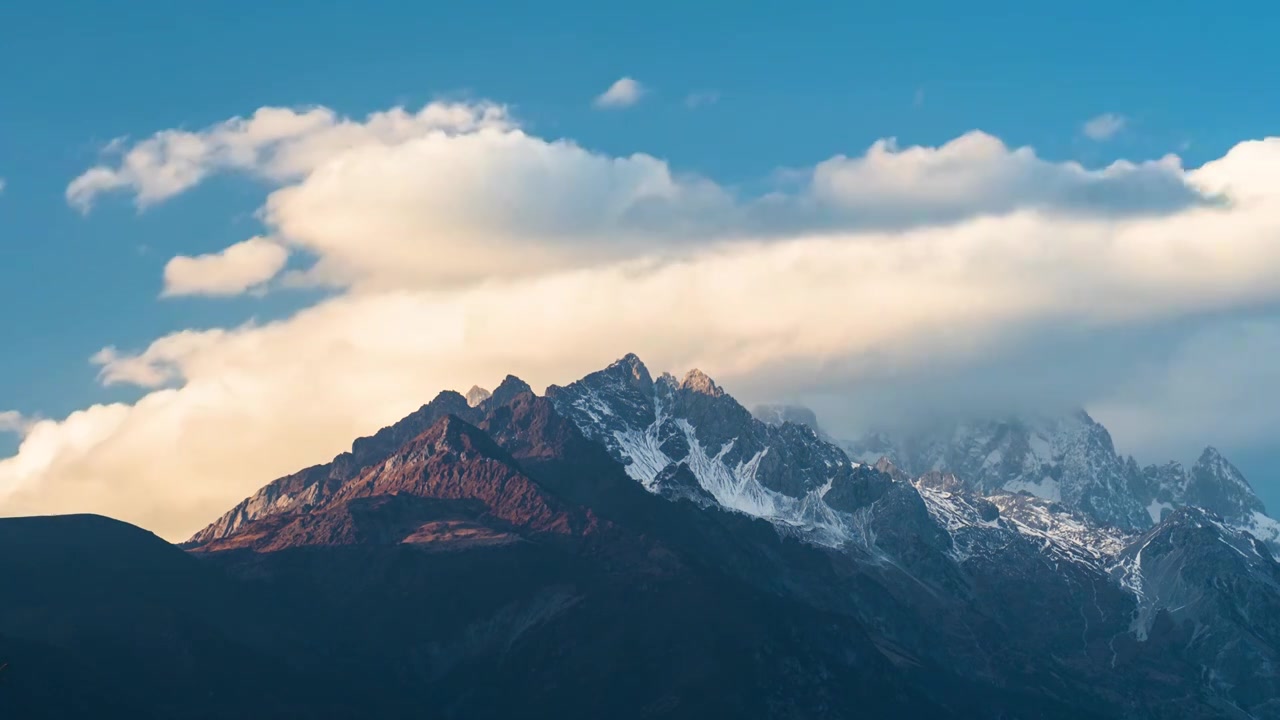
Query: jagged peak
x,y
477,395
631,370
1167,470
1211,455
886,466
511,383
447,397
630,360
1211,460
507,390
697,381
453,433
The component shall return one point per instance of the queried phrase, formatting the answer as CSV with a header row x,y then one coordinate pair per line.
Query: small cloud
x,y
1104,126
918,100
12,421
232,271
623,93
701,98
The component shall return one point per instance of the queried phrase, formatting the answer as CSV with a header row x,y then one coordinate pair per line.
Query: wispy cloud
x,y
701,98
918,99
623,93
1104,126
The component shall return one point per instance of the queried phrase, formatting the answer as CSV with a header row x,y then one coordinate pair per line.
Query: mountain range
x,y
634,546
1070,459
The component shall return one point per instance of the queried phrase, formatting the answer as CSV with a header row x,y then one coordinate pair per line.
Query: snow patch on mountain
x,y
653,426
734,486
1264,528
1015,492
984,526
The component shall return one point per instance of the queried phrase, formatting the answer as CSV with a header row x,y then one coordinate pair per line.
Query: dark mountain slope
x,y
99,617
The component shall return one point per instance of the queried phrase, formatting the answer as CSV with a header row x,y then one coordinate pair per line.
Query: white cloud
x,y
446,210
159,365
1104,126
419,207
278,143
12,421
977,173
469,254
623,93
232,271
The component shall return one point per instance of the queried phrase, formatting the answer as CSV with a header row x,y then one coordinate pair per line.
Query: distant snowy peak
x,y
1218,486
1068,459
477,395
1214,484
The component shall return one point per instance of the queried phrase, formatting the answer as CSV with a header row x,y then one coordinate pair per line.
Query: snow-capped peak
x,y
477,395
658,430
1068,458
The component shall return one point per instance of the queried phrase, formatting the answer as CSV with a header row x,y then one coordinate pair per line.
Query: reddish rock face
x,y
314,486
454,460
452,484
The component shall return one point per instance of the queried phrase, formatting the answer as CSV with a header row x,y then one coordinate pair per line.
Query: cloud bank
x,y
461,248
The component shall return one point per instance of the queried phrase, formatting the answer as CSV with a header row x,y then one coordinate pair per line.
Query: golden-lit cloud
x,y
461,248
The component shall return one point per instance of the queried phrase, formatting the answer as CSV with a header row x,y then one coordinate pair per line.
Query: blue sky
x,y
793,85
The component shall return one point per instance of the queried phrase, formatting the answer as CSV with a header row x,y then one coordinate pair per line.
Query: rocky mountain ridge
x,y
635,546
1071,460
